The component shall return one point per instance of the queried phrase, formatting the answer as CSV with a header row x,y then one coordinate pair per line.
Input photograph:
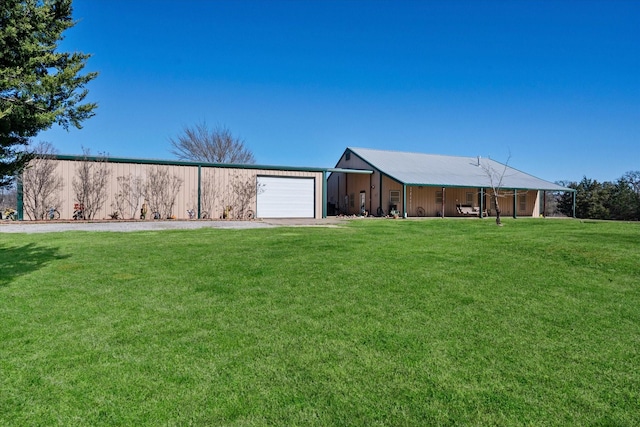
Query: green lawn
x,y
381,322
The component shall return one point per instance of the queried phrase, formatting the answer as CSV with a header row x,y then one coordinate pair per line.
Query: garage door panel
x,y
283,197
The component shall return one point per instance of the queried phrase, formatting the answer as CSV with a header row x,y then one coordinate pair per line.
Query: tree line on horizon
x,y
618,200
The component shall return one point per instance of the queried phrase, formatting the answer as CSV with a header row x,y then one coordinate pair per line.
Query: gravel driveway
x,y
124,226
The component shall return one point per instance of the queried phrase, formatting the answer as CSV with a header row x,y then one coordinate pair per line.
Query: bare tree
x,y
41,184
8,198
200,144
496,178
130,192
208,196
161,190
90,184
633,177
551,203
240,196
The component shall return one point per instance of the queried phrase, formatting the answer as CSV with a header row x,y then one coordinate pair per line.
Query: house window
x,y
522,202
394,197
352,200
439,197
470,199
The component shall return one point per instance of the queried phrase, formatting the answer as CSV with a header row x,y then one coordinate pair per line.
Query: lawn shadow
x,y
16,261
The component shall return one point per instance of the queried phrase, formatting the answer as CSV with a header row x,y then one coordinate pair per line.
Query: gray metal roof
x,y
450,171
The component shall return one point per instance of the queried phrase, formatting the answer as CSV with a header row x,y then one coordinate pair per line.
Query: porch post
x,y
443,201
337,209
20,198
346,193
482,203
380,194
199,191
404,200
515,202
324,194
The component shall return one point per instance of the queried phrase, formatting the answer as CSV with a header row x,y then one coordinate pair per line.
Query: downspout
x,y
515,202
370,194
482,203
20,201
380,193
324,194
544,203
444,201
199,191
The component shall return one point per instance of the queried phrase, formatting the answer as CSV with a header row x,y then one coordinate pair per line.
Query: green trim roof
x,y
182,163
450,171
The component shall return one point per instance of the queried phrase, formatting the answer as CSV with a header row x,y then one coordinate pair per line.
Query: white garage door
x,y
281,197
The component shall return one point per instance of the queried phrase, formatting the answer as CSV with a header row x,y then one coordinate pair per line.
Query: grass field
x,y
381,322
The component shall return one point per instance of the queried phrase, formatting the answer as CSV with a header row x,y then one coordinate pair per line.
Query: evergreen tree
x,y
39,86
624,202
592,199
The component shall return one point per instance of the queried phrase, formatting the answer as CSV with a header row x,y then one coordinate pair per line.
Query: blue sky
x,y
555,85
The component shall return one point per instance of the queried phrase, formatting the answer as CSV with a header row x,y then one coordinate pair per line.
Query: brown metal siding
x,y
356,183
187,197
343,187
387,186
224,177
333,188
425,198
354,162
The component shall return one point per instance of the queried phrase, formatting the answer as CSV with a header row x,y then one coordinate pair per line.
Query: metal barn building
x,y
375,182
418,184
214,191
